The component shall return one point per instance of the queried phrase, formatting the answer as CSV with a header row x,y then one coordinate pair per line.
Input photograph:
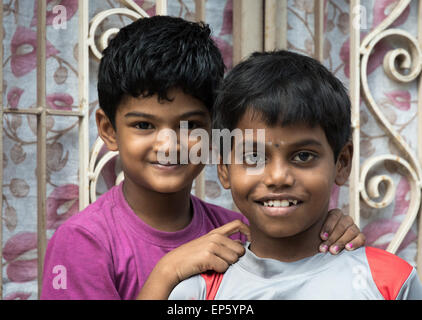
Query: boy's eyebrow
x,y
139,114
298,144
306,142
194,113
150,116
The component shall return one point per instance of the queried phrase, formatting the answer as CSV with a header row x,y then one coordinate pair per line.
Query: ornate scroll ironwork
x,y
401,65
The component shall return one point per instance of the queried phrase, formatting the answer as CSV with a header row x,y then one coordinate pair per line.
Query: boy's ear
x,y
344,164
223,175
106,130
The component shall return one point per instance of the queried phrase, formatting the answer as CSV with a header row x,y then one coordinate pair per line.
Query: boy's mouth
x,y
167,166
279,206
279,203
166,163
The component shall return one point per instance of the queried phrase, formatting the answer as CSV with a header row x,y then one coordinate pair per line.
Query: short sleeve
x,y
193,288
77,266
412,288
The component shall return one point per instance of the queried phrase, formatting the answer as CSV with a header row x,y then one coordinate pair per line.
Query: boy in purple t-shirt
x,y
156,73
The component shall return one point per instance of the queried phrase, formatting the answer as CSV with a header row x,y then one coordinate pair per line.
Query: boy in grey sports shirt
x,y
305,112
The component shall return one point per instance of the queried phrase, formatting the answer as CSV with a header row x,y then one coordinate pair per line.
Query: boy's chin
x,y
169,188
279,234
276,230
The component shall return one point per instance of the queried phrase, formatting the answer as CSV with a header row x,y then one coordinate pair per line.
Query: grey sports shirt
x,y
365,273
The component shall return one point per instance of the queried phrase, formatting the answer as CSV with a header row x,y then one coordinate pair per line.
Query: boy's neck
x,y
288,249
168,212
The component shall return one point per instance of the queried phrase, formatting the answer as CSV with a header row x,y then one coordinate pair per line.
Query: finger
x,y
233,227
332,218
348,235
218,264
216,253
228,255
357,242
343,224
351,233
233,245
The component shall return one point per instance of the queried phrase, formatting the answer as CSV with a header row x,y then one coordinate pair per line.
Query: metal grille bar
x,y
319,11
41,138
354,89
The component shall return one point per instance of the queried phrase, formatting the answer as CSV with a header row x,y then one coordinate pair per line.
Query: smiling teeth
x,y
280,203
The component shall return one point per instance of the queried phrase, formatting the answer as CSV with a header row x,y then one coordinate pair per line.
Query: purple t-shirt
x,y
107,252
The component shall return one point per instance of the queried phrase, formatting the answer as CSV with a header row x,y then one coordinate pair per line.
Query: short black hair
x,y
283,87
153,55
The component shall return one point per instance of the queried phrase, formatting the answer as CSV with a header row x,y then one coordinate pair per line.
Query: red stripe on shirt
x,y
388,271
212,281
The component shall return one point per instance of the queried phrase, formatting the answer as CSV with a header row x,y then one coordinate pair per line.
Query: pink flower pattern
x,y
24,55
374,61
400,99
148,6
226,51
19,268
18,296
13,97
227,27
63,196
383,7
60,101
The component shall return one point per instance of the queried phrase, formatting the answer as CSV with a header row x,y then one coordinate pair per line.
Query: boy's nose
x,y
169,144
278,174
166,140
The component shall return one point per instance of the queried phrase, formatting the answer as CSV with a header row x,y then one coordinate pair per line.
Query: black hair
x,y
153,55
285,88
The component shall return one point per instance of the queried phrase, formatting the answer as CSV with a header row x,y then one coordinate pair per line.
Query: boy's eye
x,y
144,125
253,158
303,157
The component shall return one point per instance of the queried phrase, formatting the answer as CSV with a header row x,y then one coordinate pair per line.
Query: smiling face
x,y
136,136
291,194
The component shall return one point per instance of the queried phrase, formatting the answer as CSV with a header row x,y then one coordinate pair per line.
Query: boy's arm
x,y
77,267
338,232
213,251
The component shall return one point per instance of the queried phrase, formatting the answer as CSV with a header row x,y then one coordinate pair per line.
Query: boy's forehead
x,y
178,104
254,121
277,135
